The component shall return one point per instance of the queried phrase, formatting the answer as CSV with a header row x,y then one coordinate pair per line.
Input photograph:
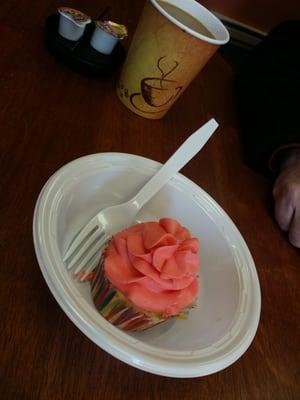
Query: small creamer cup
x,y
72,23
106,35
165,56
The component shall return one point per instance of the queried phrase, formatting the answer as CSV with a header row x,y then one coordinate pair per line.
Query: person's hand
x,y
286,194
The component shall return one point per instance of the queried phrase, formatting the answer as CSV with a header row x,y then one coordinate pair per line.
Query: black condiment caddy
x,y
79,55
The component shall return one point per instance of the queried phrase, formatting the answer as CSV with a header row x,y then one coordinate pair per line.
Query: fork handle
x,y
179,159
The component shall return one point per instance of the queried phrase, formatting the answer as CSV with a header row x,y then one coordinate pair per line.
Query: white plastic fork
x,y
84,251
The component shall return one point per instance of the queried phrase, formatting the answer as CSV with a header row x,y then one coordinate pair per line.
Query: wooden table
x,y
49,116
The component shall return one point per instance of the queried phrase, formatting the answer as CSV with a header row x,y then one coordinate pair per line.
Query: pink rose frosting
x,y
155,265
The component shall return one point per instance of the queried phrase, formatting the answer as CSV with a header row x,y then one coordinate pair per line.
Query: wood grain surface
x,y
49,116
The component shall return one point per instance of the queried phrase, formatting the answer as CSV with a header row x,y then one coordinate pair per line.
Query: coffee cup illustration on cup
x,y
159,91
156,91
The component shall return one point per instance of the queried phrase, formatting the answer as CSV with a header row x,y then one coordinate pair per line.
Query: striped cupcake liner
x,y
112,305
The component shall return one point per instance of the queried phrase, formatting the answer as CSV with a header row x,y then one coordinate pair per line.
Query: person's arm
x,y
268,100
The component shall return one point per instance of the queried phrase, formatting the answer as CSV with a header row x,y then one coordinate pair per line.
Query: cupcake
x,y
147,274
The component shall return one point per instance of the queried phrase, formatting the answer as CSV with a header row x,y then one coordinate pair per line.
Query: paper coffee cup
x,y
167,52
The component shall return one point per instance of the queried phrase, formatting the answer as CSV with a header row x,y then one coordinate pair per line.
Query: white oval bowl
x,y
223,325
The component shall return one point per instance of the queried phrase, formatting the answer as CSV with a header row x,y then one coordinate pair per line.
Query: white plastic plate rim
x,y
111,339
